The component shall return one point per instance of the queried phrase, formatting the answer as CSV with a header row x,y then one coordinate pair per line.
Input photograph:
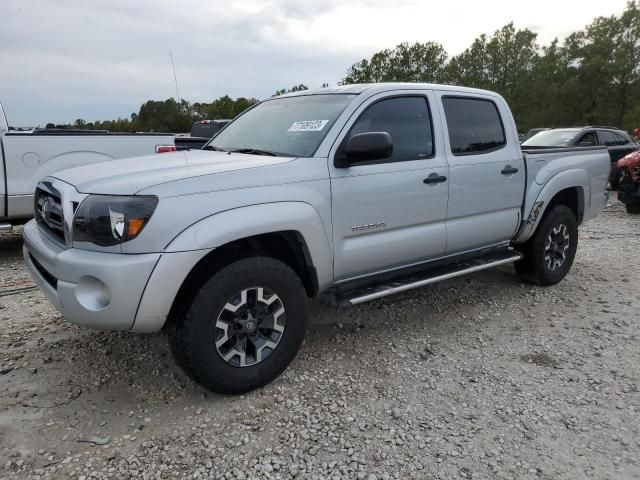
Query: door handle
x,y
509,170
434,178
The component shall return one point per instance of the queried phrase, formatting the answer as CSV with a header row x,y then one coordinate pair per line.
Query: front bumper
x,y
92,289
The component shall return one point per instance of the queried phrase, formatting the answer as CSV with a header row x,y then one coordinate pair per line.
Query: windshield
x,y
206,130
289,126
552,138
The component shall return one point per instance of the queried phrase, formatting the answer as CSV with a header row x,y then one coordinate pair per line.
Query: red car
x,y
629,188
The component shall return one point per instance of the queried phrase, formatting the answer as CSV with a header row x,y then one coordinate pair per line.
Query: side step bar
x,y
438,274
5,227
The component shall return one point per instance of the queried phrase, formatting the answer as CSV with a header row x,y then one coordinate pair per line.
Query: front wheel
x,y
549,253
243,327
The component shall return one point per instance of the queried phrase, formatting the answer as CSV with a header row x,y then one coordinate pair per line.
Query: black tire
x,y
193,328
614,178
540,263
632,208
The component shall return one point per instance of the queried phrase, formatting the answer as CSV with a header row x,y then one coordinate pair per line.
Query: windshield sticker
x,y
308,126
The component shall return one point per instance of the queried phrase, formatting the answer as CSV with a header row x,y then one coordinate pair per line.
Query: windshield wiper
x,y
214,148
254,151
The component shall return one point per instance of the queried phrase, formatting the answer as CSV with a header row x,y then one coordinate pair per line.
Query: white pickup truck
x,y
28,156
357,192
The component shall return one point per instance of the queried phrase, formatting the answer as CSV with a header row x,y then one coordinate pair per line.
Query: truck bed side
x,y
582,170
29,157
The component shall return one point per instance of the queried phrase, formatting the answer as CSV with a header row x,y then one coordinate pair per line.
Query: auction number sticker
x,y
308,126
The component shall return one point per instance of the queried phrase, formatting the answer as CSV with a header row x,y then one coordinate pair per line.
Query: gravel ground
x,y
480,377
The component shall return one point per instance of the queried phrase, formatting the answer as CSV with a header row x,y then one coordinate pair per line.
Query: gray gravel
x,y
476,378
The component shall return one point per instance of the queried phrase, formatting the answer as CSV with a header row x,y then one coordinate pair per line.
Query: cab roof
x,y
373,88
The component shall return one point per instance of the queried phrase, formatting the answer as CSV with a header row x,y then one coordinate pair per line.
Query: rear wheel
x,y
549,254
243,327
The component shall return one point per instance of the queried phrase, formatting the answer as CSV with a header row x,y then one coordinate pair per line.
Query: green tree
x,y
227,107
504,62
295,88
420,62
606,59
627,66
551,90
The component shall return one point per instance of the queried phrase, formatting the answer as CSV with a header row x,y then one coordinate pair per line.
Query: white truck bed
x,y
27,157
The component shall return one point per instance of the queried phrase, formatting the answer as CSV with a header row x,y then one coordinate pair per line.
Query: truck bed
x,y
30,156
572,163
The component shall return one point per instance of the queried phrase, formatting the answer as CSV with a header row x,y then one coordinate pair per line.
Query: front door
x,y
390,213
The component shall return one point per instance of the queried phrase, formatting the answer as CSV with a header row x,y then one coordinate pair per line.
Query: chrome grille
x,y
49,213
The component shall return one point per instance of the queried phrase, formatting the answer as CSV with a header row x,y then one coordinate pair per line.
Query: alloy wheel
x,y
556,246
250,326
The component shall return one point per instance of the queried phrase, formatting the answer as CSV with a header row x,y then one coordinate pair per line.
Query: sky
x,y
99,60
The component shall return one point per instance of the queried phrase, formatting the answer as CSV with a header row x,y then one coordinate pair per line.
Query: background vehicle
x,y
28,156
629,191
356,192
201,133
618,142
531,133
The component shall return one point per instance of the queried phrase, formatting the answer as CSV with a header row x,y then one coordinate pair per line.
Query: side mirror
x,y
365,147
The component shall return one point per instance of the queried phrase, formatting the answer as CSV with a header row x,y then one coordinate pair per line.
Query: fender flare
x,y
538,206
247,221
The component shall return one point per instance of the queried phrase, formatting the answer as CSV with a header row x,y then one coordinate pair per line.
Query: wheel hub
x,y
249,326
556,246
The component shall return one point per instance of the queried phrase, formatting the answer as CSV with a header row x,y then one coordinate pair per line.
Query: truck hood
x,y
131,175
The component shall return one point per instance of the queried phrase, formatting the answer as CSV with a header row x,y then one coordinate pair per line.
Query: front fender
x,y
195,242
537,201
243,222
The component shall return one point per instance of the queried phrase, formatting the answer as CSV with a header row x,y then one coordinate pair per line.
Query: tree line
x,y
590,77
168,115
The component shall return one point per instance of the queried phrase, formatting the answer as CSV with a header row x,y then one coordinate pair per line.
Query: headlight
x,y
110,220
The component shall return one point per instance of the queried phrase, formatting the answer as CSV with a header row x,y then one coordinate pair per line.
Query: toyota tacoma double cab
x,y
354,192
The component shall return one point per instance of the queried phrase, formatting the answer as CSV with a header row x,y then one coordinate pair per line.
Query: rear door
x,y
626,144
486,171
390,213
616,144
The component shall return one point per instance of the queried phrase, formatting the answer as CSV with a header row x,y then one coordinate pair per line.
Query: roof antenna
x,y
175,78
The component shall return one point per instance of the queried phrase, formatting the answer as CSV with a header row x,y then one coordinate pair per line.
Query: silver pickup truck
x,y
355,192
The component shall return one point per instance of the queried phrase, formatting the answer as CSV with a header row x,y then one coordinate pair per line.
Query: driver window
x,y
588,140
408,122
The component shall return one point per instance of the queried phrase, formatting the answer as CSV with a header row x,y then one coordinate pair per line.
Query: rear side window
x,y
607,138
205,130
408,122
621,139
474,125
